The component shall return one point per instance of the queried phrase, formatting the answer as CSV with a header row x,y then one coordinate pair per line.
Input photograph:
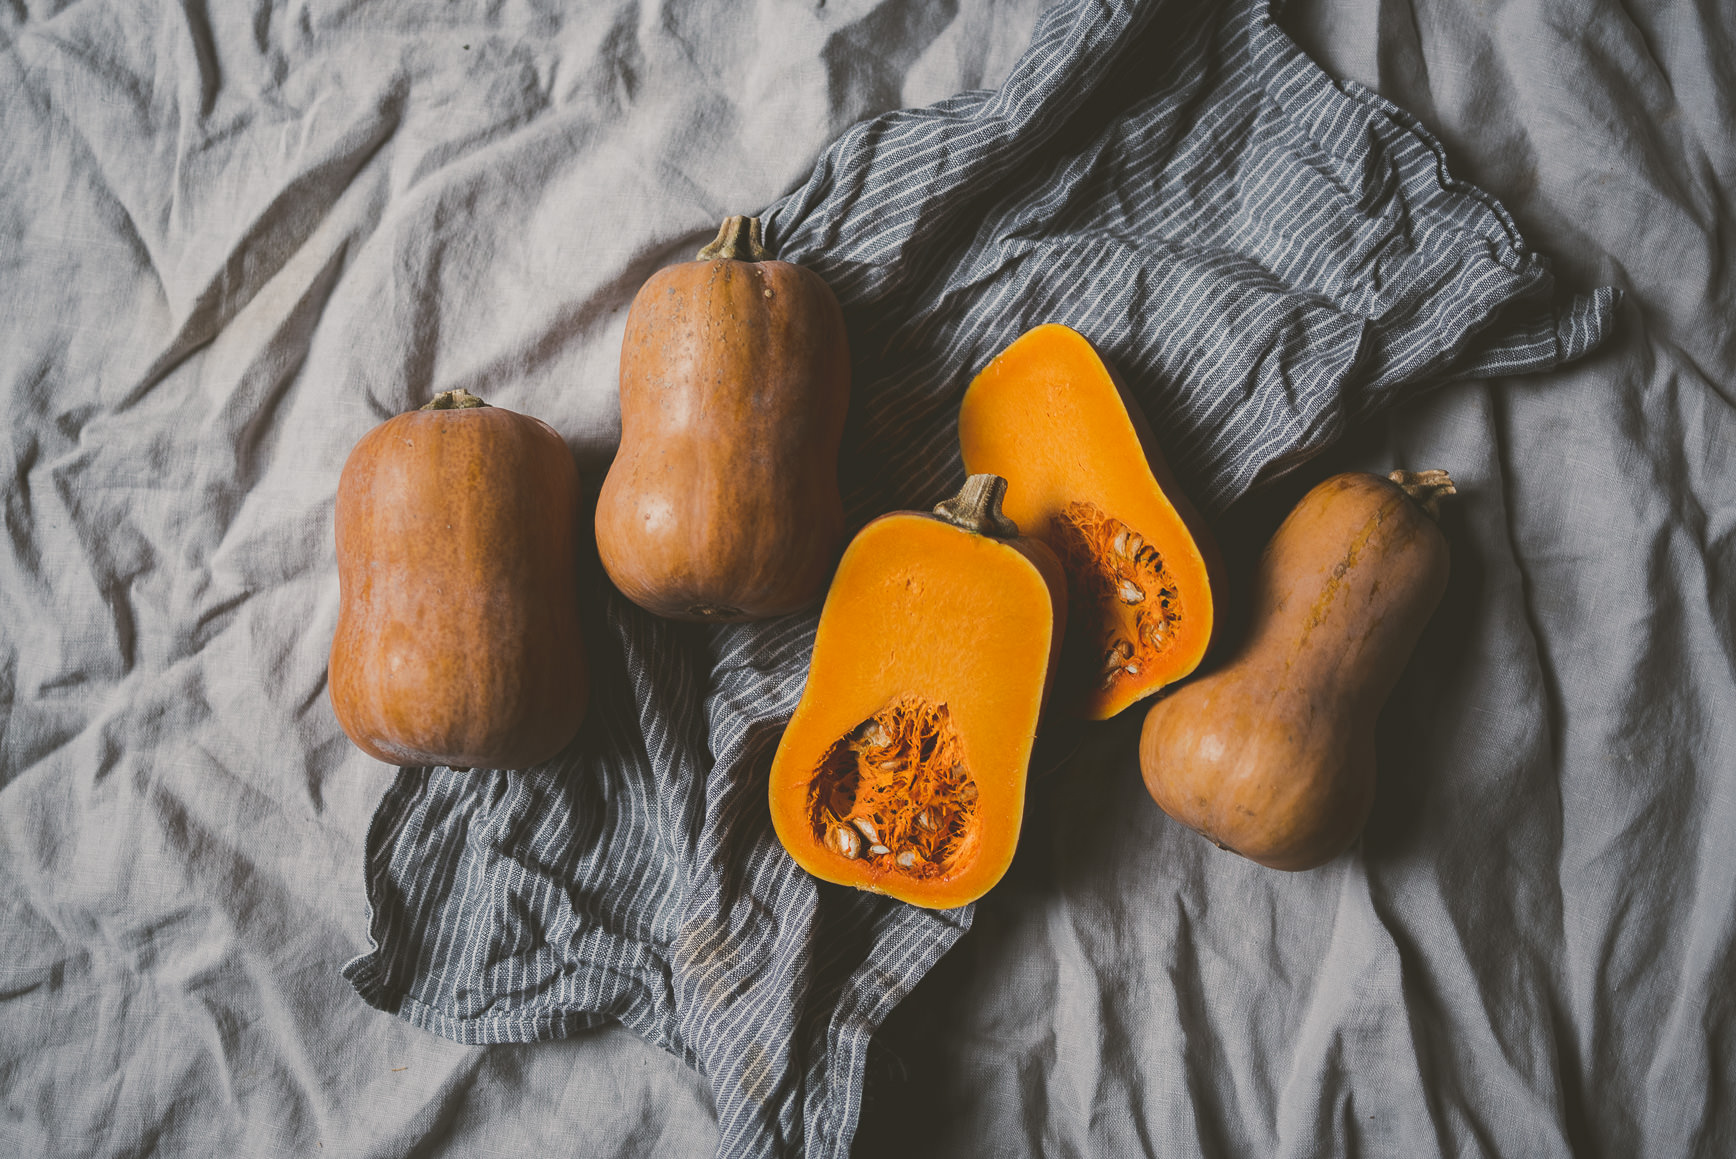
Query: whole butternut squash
x,y
1085,476
903,768
1272,756
457,639
722,503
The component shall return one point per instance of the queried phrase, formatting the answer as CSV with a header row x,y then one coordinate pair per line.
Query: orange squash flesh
x,y
1085,476
903,768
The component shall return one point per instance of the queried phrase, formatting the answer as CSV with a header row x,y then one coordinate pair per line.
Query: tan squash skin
x,y
1272,756
457,640
722,503
924,612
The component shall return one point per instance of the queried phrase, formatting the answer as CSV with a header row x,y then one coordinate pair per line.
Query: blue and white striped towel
x,y
1267,256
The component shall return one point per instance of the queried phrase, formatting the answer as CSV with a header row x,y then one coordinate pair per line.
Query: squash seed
x,y
845,841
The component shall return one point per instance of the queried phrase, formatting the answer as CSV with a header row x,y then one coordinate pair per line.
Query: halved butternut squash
x,y
903,768
1085,476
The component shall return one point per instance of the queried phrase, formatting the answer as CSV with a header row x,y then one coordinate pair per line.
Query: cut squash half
x,y
1085,476
903,769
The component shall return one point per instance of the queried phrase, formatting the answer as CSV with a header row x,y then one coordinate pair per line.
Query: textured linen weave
x,y
1267,256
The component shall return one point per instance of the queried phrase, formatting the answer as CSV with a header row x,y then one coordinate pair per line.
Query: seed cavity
x,y
1119,591
895,790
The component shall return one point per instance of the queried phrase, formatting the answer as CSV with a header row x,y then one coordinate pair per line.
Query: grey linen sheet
x,y
219,276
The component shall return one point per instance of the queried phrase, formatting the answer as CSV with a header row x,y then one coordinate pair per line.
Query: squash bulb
x,y
457,639
1273,754
722,503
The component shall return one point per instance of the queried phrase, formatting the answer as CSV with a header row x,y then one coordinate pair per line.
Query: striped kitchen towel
x,y
1266,255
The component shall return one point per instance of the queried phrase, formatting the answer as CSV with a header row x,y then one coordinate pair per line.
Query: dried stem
x,y
739,239
1426,488
454,400
977,507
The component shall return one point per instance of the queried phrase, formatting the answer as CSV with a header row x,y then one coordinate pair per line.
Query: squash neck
x,y
977,507
738,240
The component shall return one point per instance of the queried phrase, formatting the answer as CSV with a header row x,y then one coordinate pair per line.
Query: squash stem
x,y
738,239
977,507
1426,488
454,400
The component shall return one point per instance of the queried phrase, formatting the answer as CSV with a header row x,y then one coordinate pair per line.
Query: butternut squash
x,y
903,768
457,639
722,503
1273,755
1084,475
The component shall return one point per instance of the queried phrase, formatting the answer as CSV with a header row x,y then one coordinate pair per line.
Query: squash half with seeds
x,y
903,769
1085,476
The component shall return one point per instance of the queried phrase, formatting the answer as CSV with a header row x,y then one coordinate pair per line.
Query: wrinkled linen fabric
x,y
233,238
1265,256
1531,950
234,242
